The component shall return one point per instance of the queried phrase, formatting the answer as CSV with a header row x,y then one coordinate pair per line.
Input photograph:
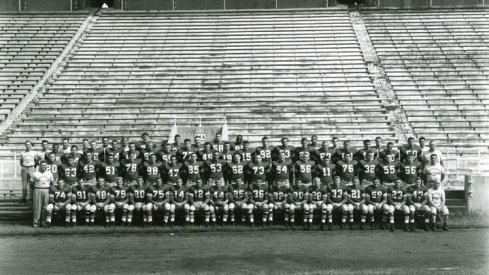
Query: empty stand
x,y
277,73
437,62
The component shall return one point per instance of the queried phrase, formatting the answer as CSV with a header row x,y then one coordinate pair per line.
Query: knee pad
x,y
344,208
264,207
125,206
93,208
149,207
111,207
50,207
350,208
271,207
250,207
391,209
433,211
68,207
231,207
130,208
191,208
364,209
306,207
292,207
106,208
405,209
167,206
211,208
370,209
412,209
329,208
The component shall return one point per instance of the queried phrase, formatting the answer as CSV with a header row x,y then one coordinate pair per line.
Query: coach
x,y
41,181
27,162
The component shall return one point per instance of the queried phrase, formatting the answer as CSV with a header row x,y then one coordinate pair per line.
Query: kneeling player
x,y
436,200
356,199
396,199
318,201
376,200
277,200
298,201
259,201
59,200
337,197
100,194
120,197
81,198
416,200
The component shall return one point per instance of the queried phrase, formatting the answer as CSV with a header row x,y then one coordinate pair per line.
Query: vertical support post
x,y
276,4
224,4
71,5
173,4
20,5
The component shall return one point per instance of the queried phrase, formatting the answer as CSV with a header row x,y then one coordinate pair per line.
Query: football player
x,y
265,150
313,146
238,144
318,201
338,199
100,194
285,148
165,153
219,201
173,171
318,155
303,169
410,149
197,146
131,168
53,166
258,198
297,197
346,168
396,200
87,169
184,152
257,170
96,152
217,143
367,167
362,153
281,170
119,195
277,199
238,198
175,146
214,170
410,170
246,152
340,154
227,153
235,169
152,169
377,148
417,202
110,169
193,170
389,151
388,171
356,202
132,149
138,198
180,201
59,200
376,200
198,200
436,200
206,153
299,152
80,195
325,170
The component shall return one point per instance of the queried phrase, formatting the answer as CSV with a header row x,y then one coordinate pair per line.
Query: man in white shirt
x,y
427,154
434,171
436,201
41,181
28,160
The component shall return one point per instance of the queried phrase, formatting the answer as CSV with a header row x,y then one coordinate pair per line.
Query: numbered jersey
x,y
60,194
298,193
376,194
76,158
139,193
299,153
339,154
110,171
417,194
217,146
257,171
100,194
184,154
320,154
318,194
397,194
367,169
355,194
120,194
278,194
281,170
346,170
325,171
303,171
205,155
173,172
265,153
165,156
54,168
194,170
409,172
217,194
131,169
116,152
198,194
81,194
246,154
227,156
287,150
236,170
179,194
259,192
88,170
415,151
437,196
393,153
158,193
238,193
215,168
388,171
337,194
152,172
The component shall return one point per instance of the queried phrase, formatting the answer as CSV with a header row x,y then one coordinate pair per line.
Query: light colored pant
x,y
40,203
26,174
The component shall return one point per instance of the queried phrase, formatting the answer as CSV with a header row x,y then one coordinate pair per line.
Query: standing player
x,y
389,151
356,202
152,169
193,170
53,166
115,150
362,153
376,200
396,199
303,169
59,200
100,194
184,152
119,195
299,152
265,150
318,155
173,171
283,148
130,168
80,196
318,200
96,152
206,153
280,170
165,153
217,143
246,152
110,169
417,202
377,148
87,169
175,146
132,149
410,149
325,170
436,200
367,167
238,144
277,200
346,168
388,171
298,201
410,170
227,153
214,170
337,197
340,154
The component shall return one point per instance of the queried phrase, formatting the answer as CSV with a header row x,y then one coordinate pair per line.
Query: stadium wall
x,y
478,193
9,5
220,4
425,3
46,5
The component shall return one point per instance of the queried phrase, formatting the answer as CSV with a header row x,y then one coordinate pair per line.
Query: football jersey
x,y
96,153
288,151
82,194
58,156
318,194
218,194
278,193
152,171
409,172
393,153
355,194
215,169
173,172
101,193
417,194
320,154
61,194
139,193
145,153
205,155
246,155
375,193
175,146
303,170
236,170
125,155
131,169
388,172
265,153
238,193
339,154
193,171
325,171
184,154
336,194
227,156
120,193
259,192
164,157
360,155
298,193
217,146
346,170
53,167
397,194
433,172
198,194
88,170
257,171
281,170
236,146
299,152
76,158
367,169
179,193
415,151
116,152
110,171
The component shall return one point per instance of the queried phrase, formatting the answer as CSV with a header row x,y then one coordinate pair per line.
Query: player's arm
x,y
51,197
366,197
207,196
190,196
346,197
404,197
149,196
409,197
425,199
389,197
442,200
384,196
107,201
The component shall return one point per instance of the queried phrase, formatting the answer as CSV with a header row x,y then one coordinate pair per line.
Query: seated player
x,y
298,202
155,199
100,194
238,198
356,198
376,200
59,200
303,169
277,199
337,197
258,200
396,200
198,200
81,199
436,200
168,204
130,168
318,201
120,197
219,201
138,198
417,202
180,201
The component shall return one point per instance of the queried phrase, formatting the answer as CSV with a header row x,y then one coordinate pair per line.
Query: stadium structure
x,y
351,69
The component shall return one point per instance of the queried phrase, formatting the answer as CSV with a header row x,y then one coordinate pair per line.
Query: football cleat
x,y
412,227
67,224
372,226
47,224
350,225
329,227
361,226
406,227
322,226
342,226
426,227
445,227
392,227
433,227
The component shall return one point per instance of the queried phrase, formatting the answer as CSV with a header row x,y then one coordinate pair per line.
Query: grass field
x,y
261,252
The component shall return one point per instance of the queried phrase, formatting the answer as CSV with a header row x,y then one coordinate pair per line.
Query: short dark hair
x,y
422,138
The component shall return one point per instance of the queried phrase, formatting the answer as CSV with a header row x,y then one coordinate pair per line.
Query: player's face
x,y
177,140
85,144
388,158
282,156
239,139
366,145
207,147
132,146
324,145
356,182
348,157
81,183
70,161
132,156
173,160
337,181
378,142
389,146
397,183
199,183
100,182
306,157
179,182
433,159
105,142
237,158
124,141
346,145
326,159
258,158
370,156
145,138
436,184
317,182
193,157
215,156
153,158
159,182
140,182
264,142
119,182
304,142
51,157
65,143
218,138
45,146
115,144
418,183
187,144
167,148
377,182
197,140
246,146
422,142
60,183
88,156
93,144
110,159
43,167
314,139
73,150
432,146
55,148
410,142
227,147
285,142
335,142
